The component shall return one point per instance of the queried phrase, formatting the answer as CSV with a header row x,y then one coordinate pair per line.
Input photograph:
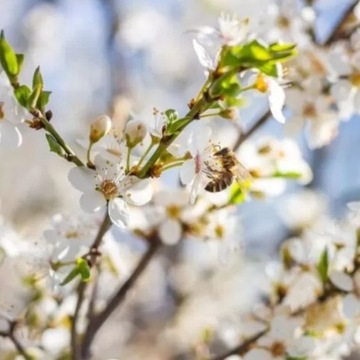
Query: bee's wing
x,y
241,173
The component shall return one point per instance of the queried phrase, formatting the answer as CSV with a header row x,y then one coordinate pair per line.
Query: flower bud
x,y
99,128
135,132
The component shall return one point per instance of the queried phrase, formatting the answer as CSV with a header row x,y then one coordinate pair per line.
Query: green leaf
x,y
296,358
22,94
54,145
37,78
34,97
253,52
44,99
8,58
71,276
20,60
171,116
84,269
277,47
270,68
238,193
323,266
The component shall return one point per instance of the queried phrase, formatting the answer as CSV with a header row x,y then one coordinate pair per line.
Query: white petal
x,y
92,201
341,90
351,306
187,171
139,193
341,280
199,138
195,188
170,232
302,347
10,136
82,178
118,212
204,58
276,100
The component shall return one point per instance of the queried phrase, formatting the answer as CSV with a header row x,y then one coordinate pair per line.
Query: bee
x,y
226,169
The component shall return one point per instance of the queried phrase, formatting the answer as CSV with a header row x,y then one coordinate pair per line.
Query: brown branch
x,y
10,334
255,126
334,35
105,225
242,348
117,299
74,341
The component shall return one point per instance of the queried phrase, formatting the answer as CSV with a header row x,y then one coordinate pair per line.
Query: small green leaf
x,y
237,194
37,78
323,266
270,68
34,96
84,269
22,94
54,145
253,52
44,99
71,276
171,116
20,60
8,58
296,358
277,47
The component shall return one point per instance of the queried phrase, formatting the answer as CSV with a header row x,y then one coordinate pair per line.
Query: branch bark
x,y
254,127
18,346
117,299
242,348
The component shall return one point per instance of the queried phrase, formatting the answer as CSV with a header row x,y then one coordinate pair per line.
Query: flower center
x,y
260,84
277,349
173,211
355,79
109,189
72,234
219,231
283,22
309,111
2,114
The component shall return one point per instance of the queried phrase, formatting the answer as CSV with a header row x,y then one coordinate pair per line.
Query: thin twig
x,y
105,225
98,320
333,37
242,348
74,341
11,335
256,125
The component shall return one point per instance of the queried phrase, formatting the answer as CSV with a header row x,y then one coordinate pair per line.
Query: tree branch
x,y
105,225
334,35
242,348
18,346
255,126
117,299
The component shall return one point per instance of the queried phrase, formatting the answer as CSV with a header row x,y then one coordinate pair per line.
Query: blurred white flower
x,y
70,236
11,114
310,108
